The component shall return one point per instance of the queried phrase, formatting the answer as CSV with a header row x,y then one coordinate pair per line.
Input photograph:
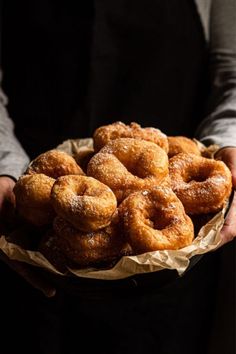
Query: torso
x,y
68,70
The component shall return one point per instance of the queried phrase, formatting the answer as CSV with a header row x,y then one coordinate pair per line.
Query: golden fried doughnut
x,y
54,163
85,248
179,144
83,201
104,134
155,220
202,184
127,165
33,202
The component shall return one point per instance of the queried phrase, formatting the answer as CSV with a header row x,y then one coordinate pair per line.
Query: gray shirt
x,y
218,18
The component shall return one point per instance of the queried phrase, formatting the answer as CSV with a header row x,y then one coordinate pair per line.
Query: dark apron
x,y
69,70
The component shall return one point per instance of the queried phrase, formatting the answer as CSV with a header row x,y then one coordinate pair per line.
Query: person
x,y
71,67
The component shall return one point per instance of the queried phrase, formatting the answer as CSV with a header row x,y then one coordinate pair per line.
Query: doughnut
x,y
179,144
127,165
33,202
54,163
154,220
88,248
104,134
202,184
83,201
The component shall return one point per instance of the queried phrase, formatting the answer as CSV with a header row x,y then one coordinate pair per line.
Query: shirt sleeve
x,y
219,126
13,158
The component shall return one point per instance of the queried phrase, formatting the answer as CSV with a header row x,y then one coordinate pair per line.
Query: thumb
x,y
228,156
228,230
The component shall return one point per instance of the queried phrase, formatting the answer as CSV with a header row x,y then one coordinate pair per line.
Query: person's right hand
x,y
29,273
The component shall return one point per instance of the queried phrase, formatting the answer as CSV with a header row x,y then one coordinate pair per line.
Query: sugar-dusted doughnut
x,y
179,144
54,163
33,201
83,201
105,133
202,184
127,165
90,248
155,219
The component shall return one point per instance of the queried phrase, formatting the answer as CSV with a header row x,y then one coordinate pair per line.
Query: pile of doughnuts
x,y
138,192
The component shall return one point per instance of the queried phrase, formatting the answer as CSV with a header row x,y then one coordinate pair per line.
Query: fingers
x,y
228,155
32,275
7,199
228,231
29,273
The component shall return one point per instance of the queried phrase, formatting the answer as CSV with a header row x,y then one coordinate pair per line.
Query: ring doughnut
x,y
54,163
202,184
179,144
85,248
83,201
127,165
104,134
33,203
155,220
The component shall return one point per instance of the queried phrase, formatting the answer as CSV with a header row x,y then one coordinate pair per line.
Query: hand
x,y
228,231
7,198
29,273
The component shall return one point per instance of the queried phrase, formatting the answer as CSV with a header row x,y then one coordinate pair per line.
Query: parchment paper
x,y
208,239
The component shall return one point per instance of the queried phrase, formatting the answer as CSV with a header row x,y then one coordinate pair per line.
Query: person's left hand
x,y
228,231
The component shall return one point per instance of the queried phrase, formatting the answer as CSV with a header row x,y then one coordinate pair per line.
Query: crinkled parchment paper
x,y
207,240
